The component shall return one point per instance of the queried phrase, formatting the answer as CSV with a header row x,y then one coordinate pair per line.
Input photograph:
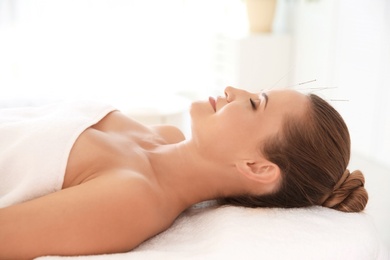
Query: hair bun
x,y
349,194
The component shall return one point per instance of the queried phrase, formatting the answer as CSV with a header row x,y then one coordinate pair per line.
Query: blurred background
x,y
152,57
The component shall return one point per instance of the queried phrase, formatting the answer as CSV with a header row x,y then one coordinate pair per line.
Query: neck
x,y
188,178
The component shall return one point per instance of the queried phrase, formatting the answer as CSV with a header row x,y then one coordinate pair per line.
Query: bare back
x,y
111,200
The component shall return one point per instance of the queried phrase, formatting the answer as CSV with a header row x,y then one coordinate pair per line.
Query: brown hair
x,y
313,155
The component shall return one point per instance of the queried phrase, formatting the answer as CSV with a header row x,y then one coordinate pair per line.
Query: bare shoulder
x,y
133,200
111,213
139,200
170,133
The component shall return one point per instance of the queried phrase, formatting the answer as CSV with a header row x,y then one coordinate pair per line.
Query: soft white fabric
x,y
35,142
244,233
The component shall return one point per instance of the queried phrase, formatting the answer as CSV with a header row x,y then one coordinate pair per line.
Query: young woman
x,y
123,182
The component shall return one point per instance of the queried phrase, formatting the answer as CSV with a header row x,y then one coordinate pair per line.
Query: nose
x,y
232,93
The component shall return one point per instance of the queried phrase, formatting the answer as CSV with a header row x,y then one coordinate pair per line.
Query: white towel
x,y
35,143
262,233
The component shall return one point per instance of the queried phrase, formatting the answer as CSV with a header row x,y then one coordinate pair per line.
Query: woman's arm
x,y
111,213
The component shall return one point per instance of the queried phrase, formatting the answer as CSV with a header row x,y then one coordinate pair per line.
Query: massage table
x,y
210,231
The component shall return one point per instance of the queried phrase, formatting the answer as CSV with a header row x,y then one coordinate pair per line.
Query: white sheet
x,y
243,233
35,144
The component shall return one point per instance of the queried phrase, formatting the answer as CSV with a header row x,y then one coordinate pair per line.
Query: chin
x,y
200,109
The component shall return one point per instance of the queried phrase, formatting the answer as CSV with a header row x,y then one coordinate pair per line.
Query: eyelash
x,y
253,104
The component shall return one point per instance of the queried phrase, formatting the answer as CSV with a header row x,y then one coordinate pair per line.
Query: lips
x,y
213,103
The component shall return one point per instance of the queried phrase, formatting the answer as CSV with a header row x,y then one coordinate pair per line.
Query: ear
x,y
264,172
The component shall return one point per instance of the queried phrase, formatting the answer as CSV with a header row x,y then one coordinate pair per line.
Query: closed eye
x,y
253,104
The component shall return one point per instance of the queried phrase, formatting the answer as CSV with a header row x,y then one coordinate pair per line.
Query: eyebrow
x,y
266,99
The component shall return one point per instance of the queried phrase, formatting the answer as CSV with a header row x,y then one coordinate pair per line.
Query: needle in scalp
x,y
285,75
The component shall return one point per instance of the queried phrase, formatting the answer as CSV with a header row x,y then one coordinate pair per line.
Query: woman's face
x,y
235,124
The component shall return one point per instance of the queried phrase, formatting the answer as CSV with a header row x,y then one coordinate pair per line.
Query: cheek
x,y
238,127
236,119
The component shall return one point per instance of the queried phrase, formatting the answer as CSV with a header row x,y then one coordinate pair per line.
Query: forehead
x,y
287,100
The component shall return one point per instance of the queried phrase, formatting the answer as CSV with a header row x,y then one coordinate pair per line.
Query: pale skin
x,y
126,182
